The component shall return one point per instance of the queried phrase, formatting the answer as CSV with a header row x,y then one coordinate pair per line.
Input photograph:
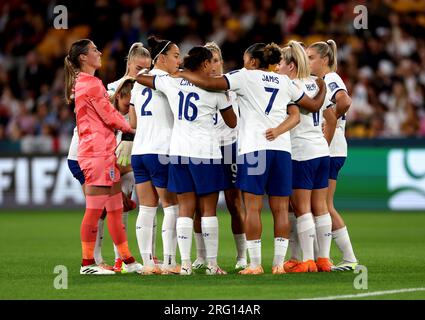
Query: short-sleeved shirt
x,y
225,134
193,110
334,83
154,119
262,98
307,137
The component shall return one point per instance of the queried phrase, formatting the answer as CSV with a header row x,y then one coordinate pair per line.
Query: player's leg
x,y
127,186
306,231
279,207
78,174
200,260
96,198
180,182
294,243
234,204
169,233
340,234
209,225
148,205
253,230
323,224
114,209
184,226
233,197
251,180
321,214
279,188
339,230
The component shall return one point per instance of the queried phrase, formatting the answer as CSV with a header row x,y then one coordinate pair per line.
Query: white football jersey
x,y
193,109
338,147
225,134
262,98
154,119
112,87
73,147
307,137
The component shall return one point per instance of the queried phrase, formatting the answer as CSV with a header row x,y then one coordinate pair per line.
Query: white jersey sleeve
x,y
295,91
73,147
236,80
334,84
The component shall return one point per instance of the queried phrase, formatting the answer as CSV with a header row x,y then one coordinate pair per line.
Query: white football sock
x,y
184,237
210,235
144,224
306,231
294,243
342,240
280,248
200,247
169,234
254,250
99,240
125,223
240,241
154,233
324,234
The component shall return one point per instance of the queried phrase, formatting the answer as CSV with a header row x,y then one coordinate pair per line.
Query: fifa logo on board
x,y
406,179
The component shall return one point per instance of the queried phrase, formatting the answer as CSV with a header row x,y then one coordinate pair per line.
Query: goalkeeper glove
x,y
123,152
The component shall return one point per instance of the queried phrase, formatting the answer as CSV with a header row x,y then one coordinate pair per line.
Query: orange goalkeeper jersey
x,y
97,118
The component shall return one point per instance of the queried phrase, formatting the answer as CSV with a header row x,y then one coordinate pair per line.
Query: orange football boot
x,y
253,271
305,266
324,265
288,265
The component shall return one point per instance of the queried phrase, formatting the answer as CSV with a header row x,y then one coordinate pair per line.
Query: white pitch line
x,y
369,294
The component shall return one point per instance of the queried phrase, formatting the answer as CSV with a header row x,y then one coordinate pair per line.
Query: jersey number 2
x,y
274,92
149,92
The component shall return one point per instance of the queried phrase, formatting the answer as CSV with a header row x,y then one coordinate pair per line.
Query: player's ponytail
x,y
294,52
136,50
158,47
333,64
72,66
327,49
195,57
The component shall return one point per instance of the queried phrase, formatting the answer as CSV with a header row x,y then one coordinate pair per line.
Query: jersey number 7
x,y
274,92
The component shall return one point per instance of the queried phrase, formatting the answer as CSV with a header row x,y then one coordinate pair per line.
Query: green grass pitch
x,y
389,244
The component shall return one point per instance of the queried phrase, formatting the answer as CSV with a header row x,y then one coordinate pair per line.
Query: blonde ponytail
x,y
294,52
333,62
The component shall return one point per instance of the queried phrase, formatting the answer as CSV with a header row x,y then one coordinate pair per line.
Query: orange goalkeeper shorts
x,y
100,171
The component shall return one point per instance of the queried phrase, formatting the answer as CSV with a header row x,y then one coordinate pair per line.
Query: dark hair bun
x,y
272,54
195,57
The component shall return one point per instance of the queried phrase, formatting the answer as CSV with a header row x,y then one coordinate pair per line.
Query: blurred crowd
x,y
383,66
